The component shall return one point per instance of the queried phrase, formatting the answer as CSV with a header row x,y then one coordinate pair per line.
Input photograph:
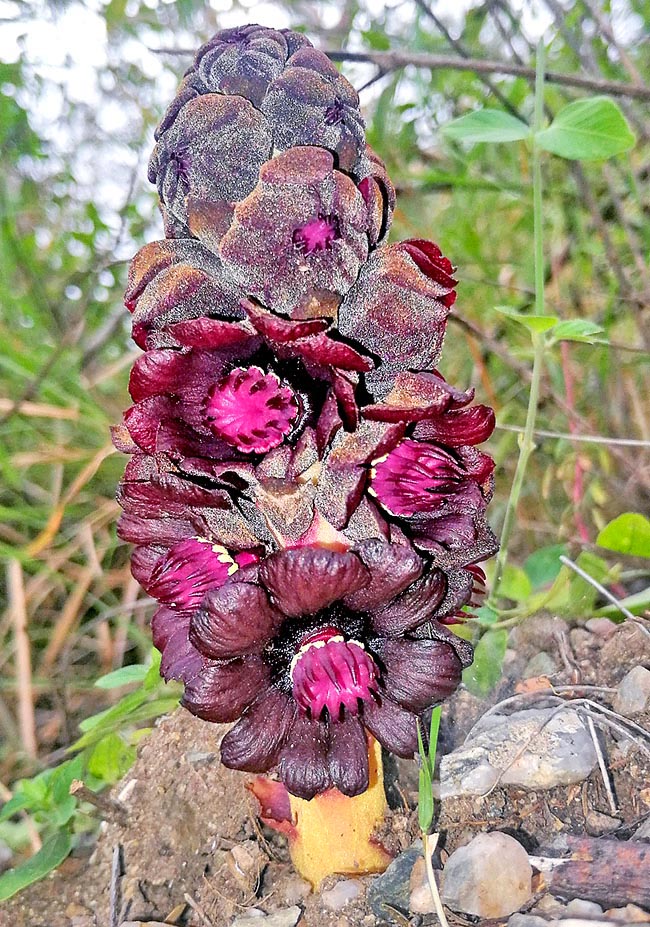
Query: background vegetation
x,y
82,89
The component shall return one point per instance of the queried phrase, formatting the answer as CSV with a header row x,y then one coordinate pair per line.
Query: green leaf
x,y
534,323
515,584
627,534
425,788
16,803
111,758
637,603
484,673
587,130
576,330
123,676
487,125
376,39
486,615
434,729
51,855
570,595
544,565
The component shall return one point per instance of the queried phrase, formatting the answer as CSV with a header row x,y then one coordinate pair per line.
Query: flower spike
x,y
305,491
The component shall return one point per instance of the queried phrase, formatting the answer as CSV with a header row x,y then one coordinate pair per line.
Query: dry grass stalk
x,y
26,718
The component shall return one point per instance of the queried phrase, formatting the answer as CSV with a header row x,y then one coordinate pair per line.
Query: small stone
x,y
542,664
598,823
630,914
643,831
527,920
296,890
536,749
392,887
6,856
633,693
288,917
244,856
342,893
580,907
601,627
421,899
549,905
490,877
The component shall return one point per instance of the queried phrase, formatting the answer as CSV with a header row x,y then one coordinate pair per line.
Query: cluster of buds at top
x,y
304,490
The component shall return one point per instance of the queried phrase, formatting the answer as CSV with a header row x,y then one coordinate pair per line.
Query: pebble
x,y
580,907
601,627
642,832
296,890
535,749
288,917
420,899
542,664
633,692
6,856
597,823
630,914
392,887
490,877
549,906
527,920
342,893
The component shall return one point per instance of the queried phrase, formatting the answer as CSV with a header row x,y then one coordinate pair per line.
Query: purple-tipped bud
x,y
190,569
417,478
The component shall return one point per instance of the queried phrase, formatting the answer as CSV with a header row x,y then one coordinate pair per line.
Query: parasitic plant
x,y
304,489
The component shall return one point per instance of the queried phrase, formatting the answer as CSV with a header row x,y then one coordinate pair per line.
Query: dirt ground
x,y
191,851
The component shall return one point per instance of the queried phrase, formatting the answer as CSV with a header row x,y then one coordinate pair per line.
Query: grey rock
x,y
580,907
643,831
601,627
633,692
597,823
288,917
6,856
535,749
630,914
342,893
526,920
490,877
420,900
392,887
296,890
542,664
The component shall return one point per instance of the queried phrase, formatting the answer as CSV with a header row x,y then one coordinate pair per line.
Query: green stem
x,y
527,443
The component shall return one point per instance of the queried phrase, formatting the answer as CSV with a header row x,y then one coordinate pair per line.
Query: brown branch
x,y
393,60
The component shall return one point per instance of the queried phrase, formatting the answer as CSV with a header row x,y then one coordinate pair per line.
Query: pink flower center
x,y
415,477
251,409
317,235
331,673
189,570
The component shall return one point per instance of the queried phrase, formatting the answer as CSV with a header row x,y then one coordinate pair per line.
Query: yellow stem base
x,y
333,833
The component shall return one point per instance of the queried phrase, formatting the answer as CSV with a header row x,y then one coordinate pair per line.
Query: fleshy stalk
x,y
331,834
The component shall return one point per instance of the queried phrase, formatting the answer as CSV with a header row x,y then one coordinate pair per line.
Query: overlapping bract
x,y
305,493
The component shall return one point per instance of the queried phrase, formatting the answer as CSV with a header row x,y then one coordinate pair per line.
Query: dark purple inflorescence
x,y
305,491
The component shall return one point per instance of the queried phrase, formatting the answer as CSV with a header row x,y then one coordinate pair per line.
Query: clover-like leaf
x,y
487,125
587,130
